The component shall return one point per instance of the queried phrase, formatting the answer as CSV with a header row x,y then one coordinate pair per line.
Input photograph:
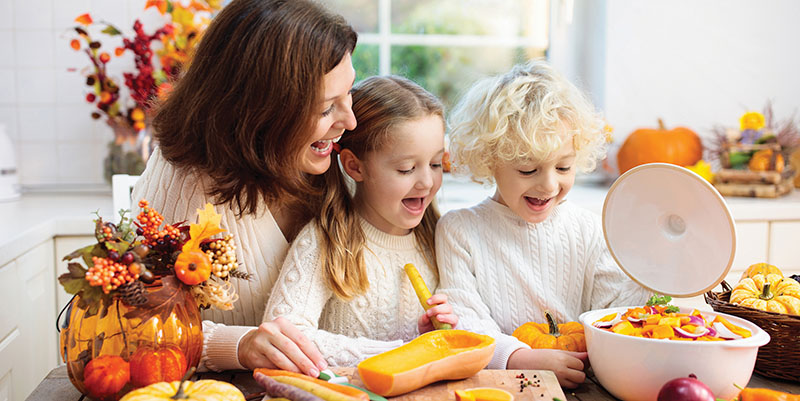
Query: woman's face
x,y
335,116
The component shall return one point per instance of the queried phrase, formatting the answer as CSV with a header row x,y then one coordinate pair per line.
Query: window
x,y
445,45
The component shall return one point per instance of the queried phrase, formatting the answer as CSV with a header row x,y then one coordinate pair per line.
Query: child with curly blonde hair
x,y
526,249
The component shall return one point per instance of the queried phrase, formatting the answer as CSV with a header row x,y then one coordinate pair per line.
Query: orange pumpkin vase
x,y
152,365
680,146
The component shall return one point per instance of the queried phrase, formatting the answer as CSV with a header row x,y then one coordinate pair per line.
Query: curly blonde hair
x,y
519,116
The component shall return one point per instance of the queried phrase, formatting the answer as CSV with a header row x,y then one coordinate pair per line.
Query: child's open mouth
x,y
414,205
323,147
538,204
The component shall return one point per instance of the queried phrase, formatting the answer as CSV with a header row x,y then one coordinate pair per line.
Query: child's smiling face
x,y
400,179
532,189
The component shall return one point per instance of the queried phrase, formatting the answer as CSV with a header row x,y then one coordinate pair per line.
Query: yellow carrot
x,y
320,391
422,293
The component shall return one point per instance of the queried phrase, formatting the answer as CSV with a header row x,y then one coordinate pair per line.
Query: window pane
x,y
365,61
449,71
361,14
510,18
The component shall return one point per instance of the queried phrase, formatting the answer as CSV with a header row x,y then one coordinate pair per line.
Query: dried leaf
x,y
74,281
84,19
207,225
111,30
120,247
79,252
161,302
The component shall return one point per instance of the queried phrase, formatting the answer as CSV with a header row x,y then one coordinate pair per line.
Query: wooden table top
x,y
57,387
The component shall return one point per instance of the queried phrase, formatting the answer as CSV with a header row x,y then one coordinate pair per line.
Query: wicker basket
x,y
781,356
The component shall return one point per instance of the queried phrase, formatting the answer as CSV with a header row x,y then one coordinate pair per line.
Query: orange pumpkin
x,y
193,267
760,268
680,146
766,160
152,365
568,336
105,376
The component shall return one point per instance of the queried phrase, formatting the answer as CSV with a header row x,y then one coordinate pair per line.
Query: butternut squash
x,y
433,356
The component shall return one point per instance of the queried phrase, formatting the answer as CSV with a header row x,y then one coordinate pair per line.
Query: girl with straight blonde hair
x,y
343,282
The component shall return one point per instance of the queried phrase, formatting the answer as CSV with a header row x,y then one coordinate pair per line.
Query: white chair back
x,y
121,188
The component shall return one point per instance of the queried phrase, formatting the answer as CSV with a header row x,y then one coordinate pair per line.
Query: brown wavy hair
x,y
379,103
248,102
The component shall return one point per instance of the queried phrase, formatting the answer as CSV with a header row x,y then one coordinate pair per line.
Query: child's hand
x,y
567,365
442,311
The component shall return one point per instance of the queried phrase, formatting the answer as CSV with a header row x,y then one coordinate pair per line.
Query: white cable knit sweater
x,y
346,332
261,248
500,271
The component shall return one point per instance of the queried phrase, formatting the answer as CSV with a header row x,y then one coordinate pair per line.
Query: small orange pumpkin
x,y
152,365
760,268
679,146
192,267
568,336
105,376
763,161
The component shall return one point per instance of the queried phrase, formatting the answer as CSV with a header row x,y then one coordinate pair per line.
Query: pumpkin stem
x,y
766,291
551,322
180,395
661,125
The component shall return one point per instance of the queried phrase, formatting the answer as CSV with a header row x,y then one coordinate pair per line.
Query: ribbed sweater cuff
x,y
221,347
506,345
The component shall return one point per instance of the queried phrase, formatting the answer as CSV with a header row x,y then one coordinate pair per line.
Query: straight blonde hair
x,y
379,103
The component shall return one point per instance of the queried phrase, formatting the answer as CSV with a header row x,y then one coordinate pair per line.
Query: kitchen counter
x,y
35,218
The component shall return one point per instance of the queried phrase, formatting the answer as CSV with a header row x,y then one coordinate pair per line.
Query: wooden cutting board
x,y
545,387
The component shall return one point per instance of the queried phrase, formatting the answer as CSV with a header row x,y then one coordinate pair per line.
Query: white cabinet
x,y
65,245
28,345
784,246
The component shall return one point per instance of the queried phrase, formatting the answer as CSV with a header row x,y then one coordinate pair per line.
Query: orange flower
x,y
105,97
138,125
84,19
118,51
104,57
76,44
161,5
137,114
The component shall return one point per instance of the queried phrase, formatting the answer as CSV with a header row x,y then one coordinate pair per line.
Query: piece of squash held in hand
x,y
276,389
338,390
423,293
433,356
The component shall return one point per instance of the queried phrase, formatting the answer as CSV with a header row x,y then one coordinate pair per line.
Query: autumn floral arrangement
x,y
158,58
758,158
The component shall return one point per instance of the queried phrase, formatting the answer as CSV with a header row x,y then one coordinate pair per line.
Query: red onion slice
x,y
701,331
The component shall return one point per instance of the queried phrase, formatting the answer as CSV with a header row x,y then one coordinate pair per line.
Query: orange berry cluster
x,y
149,221
107,234
110,275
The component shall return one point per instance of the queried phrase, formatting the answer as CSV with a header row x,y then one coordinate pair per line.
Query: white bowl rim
x,y
759,337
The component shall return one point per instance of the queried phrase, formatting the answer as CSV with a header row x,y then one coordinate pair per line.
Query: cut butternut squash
x,y
433,356
483,394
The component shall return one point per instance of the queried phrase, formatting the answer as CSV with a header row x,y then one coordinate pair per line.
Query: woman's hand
x,y
442,311
278,344
567,365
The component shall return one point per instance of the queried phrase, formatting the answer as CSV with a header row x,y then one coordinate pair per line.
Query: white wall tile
x,y
80,163
8,91
8,117
36,86
71,87
74,123
33,14
6,14
34,48
7,49
38,163
66,56
114,12
37,123
65,12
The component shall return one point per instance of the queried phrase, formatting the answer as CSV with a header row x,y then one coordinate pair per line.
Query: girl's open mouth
x,y
414,205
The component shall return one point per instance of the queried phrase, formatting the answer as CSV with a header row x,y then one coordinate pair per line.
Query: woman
x,y
248,127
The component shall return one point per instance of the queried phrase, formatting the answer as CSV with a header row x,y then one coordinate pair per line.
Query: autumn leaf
x,y
207,225
111,30
161,5
84,19
161,302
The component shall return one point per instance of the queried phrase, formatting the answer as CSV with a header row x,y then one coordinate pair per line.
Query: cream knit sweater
x,y
261,248
346,332
500,271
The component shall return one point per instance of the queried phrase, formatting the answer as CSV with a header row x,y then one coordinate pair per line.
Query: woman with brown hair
x,y
249,127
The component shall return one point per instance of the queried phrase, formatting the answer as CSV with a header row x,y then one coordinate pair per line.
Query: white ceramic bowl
x,y
634,368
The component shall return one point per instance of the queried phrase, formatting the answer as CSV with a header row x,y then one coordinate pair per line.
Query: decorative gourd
x,y
483,394
568,336
679,146
771,293
152,365
433,356
105,376
193,267
201,390
761,268
762,161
